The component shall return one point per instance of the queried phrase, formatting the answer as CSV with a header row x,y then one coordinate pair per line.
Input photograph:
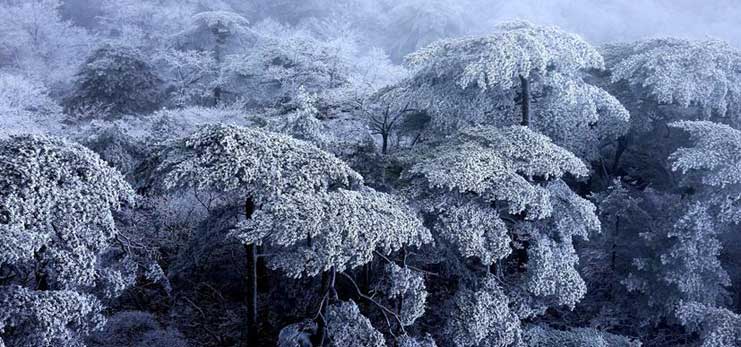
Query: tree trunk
x,y
331,281
251,294
525,92
217,95
328,289
613,254
622,146
42,280
366,274
251,252
384,142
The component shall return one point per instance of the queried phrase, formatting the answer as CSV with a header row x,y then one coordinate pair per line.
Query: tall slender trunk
x,y
332,279
622,145
42,279
366,276
251,252
613,251
525,94
384,142
251,294
328,289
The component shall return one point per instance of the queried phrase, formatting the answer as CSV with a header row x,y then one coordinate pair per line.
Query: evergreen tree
x,y
113,81
521,74
58,262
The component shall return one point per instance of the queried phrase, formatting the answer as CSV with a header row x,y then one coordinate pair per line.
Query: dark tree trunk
x,y
217,95
366,275
332,279
328,289
251,294
621,147
613,250
525,95
42,280
251,252
384,143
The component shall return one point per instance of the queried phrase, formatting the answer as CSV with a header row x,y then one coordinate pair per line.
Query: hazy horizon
x,y
624,20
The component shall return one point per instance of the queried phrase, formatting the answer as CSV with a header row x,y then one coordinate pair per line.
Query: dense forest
x,y
361,173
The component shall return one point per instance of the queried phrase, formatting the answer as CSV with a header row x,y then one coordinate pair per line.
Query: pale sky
x,y
622,20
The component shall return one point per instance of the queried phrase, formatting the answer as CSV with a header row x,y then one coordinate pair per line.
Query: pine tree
x,y
496,196
521,74
215,32
113,81
57,234
305,206
682,72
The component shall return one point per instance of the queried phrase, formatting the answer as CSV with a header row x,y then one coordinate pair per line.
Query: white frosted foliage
x,y
684,72
347,327
312,232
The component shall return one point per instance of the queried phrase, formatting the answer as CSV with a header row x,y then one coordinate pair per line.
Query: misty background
x,y
598,21
627,20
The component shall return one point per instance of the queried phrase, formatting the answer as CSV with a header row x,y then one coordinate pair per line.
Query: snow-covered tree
x,y
668,79
496,196
717,327
408,341
544,336
189,75
500,165
628,218
169,124
215,32
25,107
37,42
259,164
388,112
114,142
691,263
682,72
414,23
298,185
313,232
135,329
115,80
147,24
33,318
521,74
305,205
673,246
57,229
347,327
714,158
280,61
304,123
483,318
408,286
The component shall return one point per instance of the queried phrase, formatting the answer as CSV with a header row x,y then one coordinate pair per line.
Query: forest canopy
x,y
406,173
